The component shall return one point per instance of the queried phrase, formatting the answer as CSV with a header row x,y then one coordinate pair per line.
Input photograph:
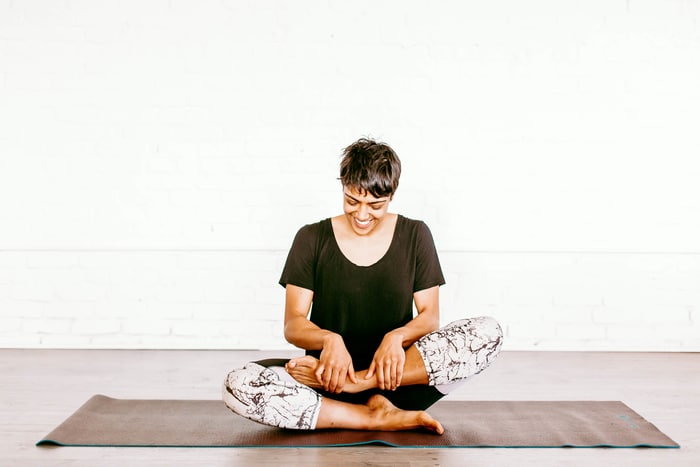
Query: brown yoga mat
x,y
104,421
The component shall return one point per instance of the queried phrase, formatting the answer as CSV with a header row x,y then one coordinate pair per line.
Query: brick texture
x,y
157,158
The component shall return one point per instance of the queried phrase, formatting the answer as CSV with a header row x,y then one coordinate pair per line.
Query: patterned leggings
x,y
453,353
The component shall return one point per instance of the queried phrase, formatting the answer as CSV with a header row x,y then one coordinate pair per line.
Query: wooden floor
x,y
40,388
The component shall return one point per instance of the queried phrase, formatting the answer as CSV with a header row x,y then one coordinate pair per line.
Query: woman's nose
x,y
362,211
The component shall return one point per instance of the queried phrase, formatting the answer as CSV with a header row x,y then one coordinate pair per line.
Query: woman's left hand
x,y
388,362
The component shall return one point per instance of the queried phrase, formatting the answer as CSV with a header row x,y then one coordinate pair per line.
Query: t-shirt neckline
x,y
399,218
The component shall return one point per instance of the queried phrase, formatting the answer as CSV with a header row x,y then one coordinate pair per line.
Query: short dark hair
x,y
370,166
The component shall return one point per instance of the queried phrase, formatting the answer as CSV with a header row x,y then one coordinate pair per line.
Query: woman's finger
x,y
372,368
380,376
387,375
351,374
341,380
319,373
333,381
399,373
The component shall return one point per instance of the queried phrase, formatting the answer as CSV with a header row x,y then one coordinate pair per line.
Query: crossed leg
x,y
461,349
450,354
378,413
261,394
302,370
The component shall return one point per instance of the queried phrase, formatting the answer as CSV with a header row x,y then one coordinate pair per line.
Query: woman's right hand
x,y
335,364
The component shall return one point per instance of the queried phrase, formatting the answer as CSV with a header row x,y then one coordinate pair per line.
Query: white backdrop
x,y
550,145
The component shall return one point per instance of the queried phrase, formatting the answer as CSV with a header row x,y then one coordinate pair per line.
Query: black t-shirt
x,y
362,303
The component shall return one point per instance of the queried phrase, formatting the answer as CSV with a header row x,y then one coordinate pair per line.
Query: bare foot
x,y
387,417
302,370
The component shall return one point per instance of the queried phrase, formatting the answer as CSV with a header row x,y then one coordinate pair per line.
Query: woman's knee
x,y
258,393
461,349
483,329
241,389
480,331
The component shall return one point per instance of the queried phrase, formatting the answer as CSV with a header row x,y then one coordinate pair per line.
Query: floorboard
x,y
40,388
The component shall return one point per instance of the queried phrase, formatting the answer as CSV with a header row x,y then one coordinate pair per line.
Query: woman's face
x,y
362,210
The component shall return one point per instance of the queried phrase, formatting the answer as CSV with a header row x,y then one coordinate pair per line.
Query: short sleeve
x,y
300,267
428,270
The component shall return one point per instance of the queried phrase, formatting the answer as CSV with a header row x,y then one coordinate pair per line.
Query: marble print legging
x,y
453,353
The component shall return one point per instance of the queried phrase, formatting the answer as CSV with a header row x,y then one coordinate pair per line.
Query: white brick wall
x,y
594,301
156,159
230,299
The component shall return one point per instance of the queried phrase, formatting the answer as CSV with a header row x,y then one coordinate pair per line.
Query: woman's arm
x,y
298,330
390,356
428,319
335,362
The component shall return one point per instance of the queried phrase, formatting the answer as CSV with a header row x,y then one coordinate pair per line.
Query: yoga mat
x,y
104,421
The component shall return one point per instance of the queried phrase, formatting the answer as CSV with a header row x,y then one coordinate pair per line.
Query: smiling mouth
x,y
363,223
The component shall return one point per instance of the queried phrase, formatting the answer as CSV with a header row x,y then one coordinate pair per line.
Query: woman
x,y
351,284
